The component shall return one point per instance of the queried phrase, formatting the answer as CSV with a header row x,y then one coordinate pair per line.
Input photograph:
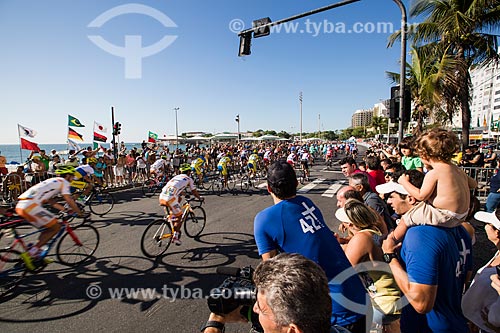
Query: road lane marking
x,y
310,186
332,190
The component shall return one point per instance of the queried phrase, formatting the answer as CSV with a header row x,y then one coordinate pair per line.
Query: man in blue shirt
x,y
434,265
295,225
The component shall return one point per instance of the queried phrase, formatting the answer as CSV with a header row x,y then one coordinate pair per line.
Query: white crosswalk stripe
x,y
310,186
332,190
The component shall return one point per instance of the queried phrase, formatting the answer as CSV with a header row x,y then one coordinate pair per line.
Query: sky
x,y
50,67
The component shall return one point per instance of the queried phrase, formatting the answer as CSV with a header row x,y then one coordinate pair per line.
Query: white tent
x,y
269,138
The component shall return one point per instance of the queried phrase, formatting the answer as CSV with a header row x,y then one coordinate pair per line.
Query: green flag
x,y
72,121
152,137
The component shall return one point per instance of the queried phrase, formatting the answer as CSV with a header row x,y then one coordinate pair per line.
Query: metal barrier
x,y
482,177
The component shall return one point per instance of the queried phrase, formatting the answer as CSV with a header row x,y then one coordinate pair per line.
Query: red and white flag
x,y
26,132
100,132
28,145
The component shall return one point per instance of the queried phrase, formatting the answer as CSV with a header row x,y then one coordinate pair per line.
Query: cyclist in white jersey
x,y
30,207
170,197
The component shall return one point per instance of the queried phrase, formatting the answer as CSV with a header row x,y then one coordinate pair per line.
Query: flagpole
x,y
20,144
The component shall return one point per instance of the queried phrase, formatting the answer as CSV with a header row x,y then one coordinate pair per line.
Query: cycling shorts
x,y
252,166
171,201
222,169
35,214
305,164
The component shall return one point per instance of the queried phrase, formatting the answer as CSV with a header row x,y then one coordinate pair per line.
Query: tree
x,y
284,134
378,123
427,75
462,29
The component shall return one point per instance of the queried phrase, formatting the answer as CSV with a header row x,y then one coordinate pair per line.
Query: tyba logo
x,y
132,52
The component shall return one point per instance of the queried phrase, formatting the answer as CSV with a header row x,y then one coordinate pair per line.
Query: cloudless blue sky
x,y
49,68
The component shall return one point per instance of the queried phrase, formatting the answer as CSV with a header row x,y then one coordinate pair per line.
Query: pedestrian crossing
x,y
310,186
330,192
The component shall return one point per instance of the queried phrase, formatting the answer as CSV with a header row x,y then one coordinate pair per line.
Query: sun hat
x,y
390,187
488,218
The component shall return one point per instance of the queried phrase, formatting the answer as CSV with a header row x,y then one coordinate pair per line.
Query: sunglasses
x,y
388,173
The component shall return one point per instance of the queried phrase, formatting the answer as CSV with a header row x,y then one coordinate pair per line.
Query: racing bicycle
x,y
158,234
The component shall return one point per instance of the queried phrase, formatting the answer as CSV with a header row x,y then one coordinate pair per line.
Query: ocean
x,y
13,155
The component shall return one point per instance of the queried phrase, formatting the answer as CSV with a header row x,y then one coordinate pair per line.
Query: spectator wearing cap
x,y
409,160
431,269
294,224
481,302
490,158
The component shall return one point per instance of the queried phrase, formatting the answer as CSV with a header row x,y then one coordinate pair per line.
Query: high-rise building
x,y
362,118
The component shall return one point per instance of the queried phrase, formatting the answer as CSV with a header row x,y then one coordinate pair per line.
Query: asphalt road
x,y
62,299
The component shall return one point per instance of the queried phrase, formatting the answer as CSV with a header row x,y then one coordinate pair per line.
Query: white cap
x,y
390,187
341,215
488,218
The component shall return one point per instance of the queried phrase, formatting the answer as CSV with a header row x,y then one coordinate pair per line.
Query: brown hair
x,y
438,144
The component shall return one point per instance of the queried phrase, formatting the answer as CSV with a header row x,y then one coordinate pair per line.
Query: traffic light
x,y
237,118
264,31
245,44
394,105
117,128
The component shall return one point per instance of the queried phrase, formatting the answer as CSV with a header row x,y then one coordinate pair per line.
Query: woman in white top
x,y
481,303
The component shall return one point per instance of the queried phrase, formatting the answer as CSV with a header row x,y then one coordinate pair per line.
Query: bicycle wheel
x,y
206,184
12,270
101,203
149,187
245,183
231,182
195,222
156,238
77,245
217,186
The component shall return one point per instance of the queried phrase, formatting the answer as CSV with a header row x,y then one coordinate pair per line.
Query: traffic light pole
x,y
402,75
113,142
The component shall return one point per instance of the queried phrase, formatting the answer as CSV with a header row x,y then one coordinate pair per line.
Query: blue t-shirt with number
x,y
439,257
297,226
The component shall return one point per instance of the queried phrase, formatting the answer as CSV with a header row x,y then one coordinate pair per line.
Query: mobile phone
x,y
498,270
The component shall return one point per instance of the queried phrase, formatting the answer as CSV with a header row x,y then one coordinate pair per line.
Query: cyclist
x,y
329,154
222,167
292,157
170,197
197,165
30,207
159,167
84,178
268,156
253,160
304,161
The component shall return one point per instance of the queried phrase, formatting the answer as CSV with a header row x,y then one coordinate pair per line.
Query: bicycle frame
x,y
18,239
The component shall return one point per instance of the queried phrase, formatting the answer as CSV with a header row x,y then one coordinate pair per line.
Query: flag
x,y
99,132
25,131
73,145
101,147
72,121
72,134
484,121
152,137
28,145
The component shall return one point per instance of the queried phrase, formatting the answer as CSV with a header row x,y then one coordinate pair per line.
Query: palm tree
x,y
378,123
427,76
461,28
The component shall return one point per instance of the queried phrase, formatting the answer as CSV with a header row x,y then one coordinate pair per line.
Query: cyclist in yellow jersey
x,y
30,207
222,166
253,160
197,165
170,194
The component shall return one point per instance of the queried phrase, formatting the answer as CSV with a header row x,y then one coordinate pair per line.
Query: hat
x,y
390,187
341,215
488,218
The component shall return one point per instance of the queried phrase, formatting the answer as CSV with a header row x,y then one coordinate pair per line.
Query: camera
x,y
236,290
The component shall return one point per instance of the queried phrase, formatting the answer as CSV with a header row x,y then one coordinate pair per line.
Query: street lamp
x,y
402,77
176,130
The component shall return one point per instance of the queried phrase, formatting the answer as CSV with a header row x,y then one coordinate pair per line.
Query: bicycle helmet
x,y
65,170
164,157
92,160
185,167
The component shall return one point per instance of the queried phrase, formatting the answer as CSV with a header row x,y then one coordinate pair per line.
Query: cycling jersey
x,y
30,202
83,170
158,165
197,164
169,195
291,159
267,154
222,165
252,162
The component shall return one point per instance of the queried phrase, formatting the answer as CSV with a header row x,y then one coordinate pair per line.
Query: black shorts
x,y
305,163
